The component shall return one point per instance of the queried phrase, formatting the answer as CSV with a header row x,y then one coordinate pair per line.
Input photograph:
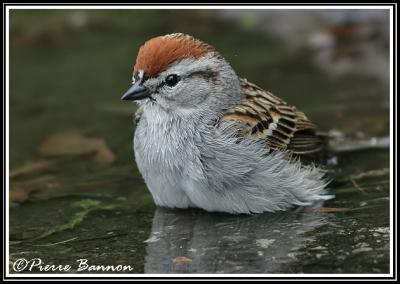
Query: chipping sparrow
x,y
206,138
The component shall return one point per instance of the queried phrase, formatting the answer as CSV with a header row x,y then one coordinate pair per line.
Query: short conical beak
x,y
136,92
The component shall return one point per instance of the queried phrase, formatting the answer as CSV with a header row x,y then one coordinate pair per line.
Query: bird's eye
x,y
172,80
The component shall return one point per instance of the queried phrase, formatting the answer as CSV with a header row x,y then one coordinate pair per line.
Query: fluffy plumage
x,y
205,141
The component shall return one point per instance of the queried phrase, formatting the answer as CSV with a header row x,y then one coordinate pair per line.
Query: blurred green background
x,y
74,186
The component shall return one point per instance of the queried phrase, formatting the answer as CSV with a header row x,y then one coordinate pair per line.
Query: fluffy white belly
x,y
163,159
167,192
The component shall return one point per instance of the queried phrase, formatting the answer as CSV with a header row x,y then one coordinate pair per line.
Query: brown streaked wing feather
x,y
261,115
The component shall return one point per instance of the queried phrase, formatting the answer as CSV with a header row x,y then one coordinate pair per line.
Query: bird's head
x,y
182,75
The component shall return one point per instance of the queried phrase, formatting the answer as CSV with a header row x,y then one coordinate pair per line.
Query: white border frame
x,y
94,7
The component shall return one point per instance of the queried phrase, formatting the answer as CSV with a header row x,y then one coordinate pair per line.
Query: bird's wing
x,y
263,116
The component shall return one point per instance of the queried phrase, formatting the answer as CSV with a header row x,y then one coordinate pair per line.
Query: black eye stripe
x,y
162,84
145,78
207,74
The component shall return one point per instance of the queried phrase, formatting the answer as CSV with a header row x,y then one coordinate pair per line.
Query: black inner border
x,y
134,276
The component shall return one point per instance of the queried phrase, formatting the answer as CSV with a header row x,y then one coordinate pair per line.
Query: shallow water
x,y
68,71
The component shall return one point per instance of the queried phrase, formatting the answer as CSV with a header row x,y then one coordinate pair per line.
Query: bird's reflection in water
x,y
194,241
